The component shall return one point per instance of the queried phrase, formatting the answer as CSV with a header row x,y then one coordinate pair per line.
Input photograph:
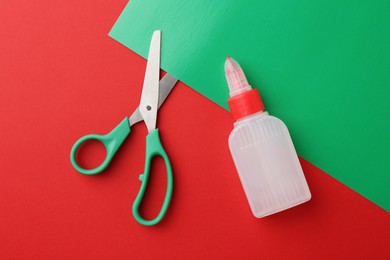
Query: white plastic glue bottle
x,y
262,150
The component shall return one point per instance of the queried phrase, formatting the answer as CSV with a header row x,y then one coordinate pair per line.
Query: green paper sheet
x,y
323,67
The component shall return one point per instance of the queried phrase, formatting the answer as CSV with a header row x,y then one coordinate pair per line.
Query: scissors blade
x,y
166,85
150,91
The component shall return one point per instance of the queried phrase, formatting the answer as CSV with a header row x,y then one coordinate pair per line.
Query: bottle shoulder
x,y
258,118
261,125
255,116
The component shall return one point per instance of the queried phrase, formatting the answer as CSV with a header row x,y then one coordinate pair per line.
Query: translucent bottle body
x,y
267,164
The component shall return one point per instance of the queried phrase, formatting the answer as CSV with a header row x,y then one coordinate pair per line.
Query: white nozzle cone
x,y
235,77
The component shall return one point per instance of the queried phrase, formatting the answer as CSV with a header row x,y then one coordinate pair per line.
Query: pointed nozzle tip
x,y
230,64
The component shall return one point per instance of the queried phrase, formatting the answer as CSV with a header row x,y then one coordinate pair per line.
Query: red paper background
x,y
62,77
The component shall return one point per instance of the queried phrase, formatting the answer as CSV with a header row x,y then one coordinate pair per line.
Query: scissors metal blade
x,y
166,85
150,91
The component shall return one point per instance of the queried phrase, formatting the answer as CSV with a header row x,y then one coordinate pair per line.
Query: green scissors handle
x,y
153,148
111,141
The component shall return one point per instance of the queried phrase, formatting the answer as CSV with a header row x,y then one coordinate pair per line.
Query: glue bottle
x,y
262,150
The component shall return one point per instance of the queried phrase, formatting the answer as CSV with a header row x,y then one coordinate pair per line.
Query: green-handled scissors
x,y
154,93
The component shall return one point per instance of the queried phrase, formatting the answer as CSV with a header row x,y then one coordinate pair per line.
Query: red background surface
x,y
62,77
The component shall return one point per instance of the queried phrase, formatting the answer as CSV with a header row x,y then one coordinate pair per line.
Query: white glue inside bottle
x,y
262,150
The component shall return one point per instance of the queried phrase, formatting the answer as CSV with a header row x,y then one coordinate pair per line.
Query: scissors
x,y
154,93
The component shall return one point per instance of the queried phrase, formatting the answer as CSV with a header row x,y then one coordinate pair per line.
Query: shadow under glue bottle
x,y
262,150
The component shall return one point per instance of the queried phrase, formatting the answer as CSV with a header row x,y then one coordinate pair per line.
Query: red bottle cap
x,y
245,104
